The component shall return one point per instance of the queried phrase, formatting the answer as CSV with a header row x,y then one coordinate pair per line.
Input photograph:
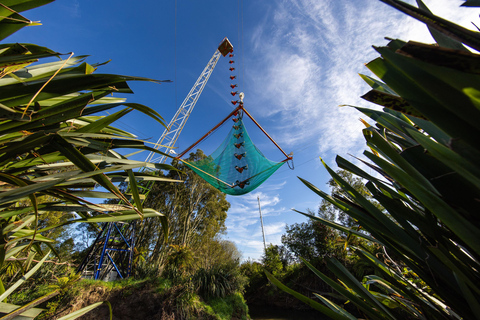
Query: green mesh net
x,y
237,166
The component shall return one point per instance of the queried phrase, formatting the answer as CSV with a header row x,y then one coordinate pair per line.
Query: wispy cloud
x,y
243,223
308,55
74,9
312,59
275,229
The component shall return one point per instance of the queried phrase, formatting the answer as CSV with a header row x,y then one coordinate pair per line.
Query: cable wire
x,y
175,50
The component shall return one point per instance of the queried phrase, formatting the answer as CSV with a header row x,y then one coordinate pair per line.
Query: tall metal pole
x,y
261,222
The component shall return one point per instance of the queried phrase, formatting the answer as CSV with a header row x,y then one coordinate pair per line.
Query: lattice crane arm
x,y
103,256
167,140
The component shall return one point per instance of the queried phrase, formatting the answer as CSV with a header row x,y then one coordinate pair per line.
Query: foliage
x,y
272,259
217,252
55,148
331,212
218,282
179,262
311,240
253,271
232,307
89,292
196,213
424,146
142,269
180,302
46,276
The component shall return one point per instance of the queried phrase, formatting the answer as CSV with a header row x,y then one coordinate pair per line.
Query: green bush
x,y
218,282
232,306
55,149
272,260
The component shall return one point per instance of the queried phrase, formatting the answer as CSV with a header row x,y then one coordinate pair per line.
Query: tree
x,y
217,252
310,240
272,260
196,212
329,211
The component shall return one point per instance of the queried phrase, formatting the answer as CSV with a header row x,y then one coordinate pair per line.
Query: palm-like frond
x,y
425,151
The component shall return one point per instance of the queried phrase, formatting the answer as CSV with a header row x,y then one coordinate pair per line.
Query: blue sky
x,y
296,61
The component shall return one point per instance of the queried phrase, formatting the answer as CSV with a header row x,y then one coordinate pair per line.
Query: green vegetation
x,y
233,306
54,150
156,296
197,213
404,244
310,239
422,207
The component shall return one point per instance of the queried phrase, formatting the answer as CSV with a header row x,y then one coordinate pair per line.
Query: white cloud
x,y
308,55
75,9
243,223
245,209
275,228
269,187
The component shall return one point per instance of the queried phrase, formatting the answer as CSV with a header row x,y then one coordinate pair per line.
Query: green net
x,y
237,166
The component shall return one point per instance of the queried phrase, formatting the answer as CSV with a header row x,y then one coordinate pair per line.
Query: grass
x,y
24,296
231,306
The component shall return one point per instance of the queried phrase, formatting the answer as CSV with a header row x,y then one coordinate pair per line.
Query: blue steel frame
x,y
98,249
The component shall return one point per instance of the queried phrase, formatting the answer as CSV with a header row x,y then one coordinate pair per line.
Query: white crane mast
x,y
167,140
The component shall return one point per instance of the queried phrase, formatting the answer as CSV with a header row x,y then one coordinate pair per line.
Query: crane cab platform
x,y
225,47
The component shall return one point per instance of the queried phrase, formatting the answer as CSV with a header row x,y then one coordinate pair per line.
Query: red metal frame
x,y
271,139
240,107
209,132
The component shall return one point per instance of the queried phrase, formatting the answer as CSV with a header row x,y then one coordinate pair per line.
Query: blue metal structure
x,y
111,255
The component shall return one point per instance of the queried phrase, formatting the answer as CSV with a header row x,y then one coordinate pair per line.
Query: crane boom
x,y
167,140
119,262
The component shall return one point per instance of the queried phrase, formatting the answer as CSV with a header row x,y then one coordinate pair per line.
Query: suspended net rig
x,y
237,166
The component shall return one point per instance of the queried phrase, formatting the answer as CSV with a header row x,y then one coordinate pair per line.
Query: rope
x,y
208,174
260,127
242,67
255,175
238,26
210,132
291,167
175,51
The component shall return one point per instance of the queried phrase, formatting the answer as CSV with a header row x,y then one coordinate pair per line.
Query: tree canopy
x,y
196,212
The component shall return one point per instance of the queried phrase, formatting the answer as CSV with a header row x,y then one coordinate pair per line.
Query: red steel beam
x,y
209,132
260,127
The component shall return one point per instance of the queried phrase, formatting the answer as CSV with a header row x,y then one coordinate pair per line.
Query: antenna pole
x,y
261,222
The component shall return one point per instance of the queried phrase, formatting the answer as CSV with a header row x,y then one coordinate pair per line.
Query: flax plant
x,y
55,145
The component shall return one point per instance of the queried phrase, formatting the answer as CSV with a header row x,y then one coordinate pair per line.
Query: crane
x,y
111,254
168,138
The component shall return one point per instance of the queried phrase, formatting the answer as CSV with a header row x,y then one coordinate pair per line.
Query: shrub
x,y
218,282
